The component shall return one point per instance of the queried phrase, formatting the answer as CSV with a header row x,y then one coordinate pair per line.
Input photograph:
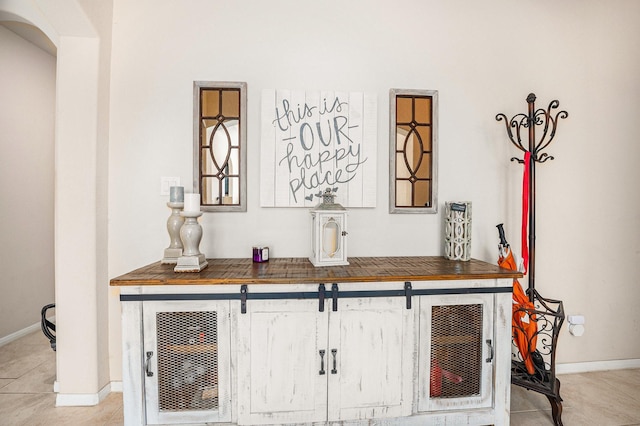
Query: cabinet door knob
x,y
333,353
321,362
147,365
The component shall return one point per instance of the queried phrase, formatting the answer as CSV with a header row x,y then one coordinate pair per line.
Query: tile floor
x,y
27,373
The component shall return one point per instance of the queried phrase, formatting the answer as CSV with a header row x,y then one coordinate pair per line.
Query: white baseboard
x,y
82,399
104,392
21,333
585,367
116,386
77,399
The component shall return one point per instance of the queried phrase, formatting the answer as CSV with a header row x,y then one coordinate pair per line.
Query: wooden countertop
x,y
301,271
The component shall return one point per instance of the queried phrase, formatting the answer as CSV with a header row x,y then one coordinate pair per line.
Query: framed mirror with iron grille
x,y
220,148
413,143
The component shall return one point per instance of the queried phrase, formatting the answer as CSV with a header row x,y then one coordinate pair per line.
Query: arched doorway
x,y
27,126
80,192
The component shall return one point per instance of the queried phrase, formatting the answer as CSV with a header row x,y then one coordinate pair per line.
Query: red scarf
x,y
525,210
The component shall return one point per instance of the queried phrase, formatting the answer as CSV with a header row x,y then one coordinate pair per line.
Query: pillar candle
x,y
191,202
176,194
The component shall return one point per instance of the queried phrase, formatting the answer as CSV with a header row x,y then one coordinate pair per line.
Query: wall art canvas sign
x,y
313,140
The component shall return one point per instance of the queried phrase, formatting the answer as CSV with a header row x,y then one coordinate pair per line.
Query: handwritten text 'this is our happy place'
x,y
319,151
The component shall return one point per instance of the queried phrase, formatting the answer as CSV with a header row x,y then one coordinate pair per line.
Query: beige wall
x,y
27,85
100,14
483,58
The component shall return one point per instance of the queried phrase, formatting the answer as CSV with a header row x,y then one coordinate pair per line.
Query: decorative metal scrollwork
x,y
220,133
548,316
546,119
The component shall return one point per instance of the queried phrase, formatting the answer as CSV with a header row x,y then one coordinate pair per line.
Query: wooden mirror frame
x,y
432,178
240,150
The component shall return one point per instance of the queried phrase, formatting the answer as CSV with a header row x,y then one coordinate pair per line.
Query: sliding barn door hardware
x,y
334,296
321,291
322,294
407,293
243,299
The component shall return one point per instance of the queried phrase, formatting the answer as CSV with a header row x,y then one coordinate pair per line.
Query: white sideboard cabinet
x,y
405,340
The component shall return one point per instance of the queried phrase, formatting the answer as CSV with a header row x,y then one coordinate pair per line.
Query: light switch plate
x,y
168,182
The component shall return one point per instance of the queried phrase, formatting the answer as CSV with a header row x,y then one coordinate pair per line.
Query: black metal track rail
x,y
322,294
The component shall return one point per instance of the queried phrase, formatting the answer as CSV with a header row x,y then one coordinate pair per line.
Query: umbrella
x,y
523,323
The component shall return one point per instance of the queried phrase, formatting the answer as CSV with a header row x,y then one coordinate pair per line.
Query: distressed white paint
x,y
132,389
484,399
373,339
154,415
502,354
279,362
274,360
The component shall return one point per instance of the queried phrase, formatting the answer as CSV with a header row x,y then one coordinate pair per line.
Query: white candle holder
x,y
174,223
191,235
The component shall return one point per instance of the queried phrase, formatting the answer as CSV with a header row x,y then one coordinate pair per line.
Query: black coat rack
x,y
548,313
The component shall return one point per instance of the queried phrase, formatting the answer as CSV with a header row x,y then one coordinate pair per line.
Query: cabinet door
x,y
187,362
455,352
371,345
282,378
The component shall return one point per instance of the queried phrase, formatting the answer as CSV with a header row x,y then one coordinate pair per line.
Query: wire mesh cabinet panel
x,y
186,361
455,352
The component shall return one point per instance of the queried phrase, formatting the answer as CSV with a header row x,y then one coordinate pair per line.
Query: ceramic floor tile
x,y
525,400
117,419
27,371
38,380
609,398
96,415
532,418
17,359
596,415
25,409
599,396
623,381
40,410
31,343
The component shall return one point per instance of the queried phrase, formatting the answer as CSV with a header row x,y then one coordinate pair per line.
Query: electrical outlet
x,y
575,319
168,182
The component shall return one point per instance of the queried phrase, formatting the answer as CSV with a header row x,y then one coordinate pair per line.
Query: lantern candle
x,y
328,232
191,203
330,237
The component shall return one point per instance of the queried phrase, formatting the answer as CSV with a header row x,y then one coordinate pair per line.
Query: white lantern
x,y
328,232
